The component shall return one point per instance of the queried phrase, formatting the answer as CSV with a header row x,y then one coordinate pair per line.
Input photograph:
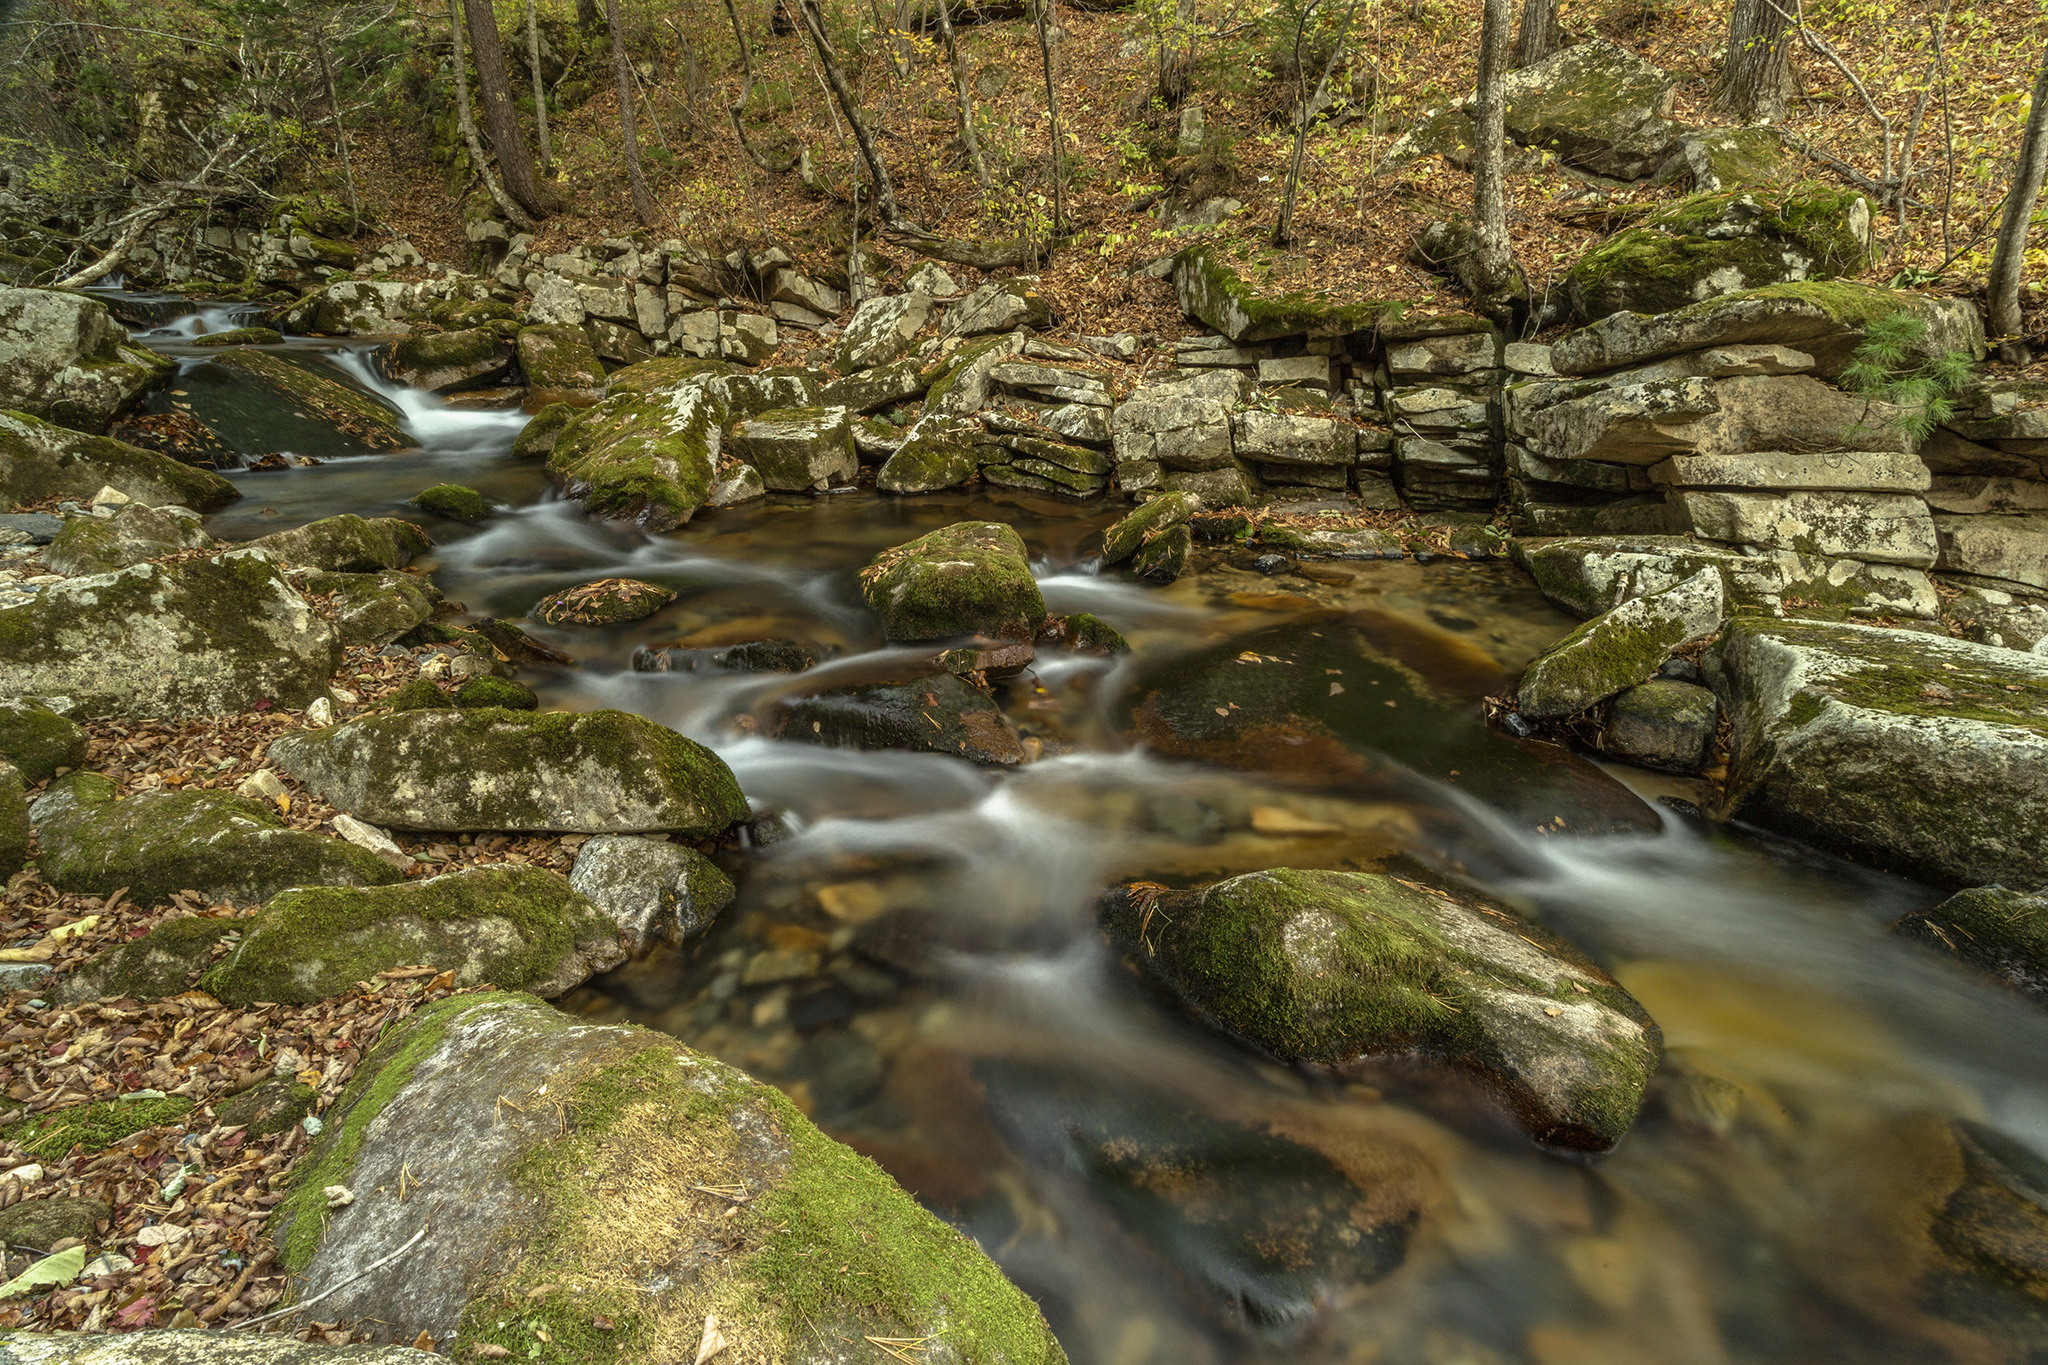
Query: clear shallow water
x,y
1789,1194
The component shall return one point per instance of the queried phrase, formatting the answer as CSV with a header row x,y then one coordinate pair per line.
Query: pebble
x,y
777,965
320,713
261,785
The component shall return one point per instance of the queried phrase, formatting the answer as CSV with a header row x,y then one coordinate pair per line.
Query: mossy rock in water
x,y
646,458
823,1257
15,828
200,638
1212,288
1339,969
348,544
970,578
1616,651
162,962
604,772
40,461
42,1223
241,336
536,440
135,533
1713,244
377,608
267,1107
940,714
656,891
558,361
606,602
455,501
507,924
95,1127
1090,634
418,695
1164,557
1921,754
485,690
37,740
2004,932
934,455
1162,513
449,362
223,846
1662,724
372,422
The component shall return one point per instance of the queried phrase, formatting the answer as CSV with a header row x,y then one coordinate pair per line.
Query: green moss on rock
x,y
536,440
37,740
40,461
971,578
241,336
14,822
2004,932
348,544
376,608
559,360
646,458
1212,289
373,423
485,690
605,602
268,1107
457,502
162,962
1162,513
419,694
93,1127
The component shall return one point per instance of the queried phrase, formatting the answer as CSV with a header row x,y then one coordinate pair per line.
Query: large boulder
x,y
1913,751
223,846
90,545
1624,647
37,740
797,450
362,308
1338,969
936,453
1211,288
2004,932
559,365
305,393
449,362
1162,514
605,772
63,358
520,928
1645,422
881,330
999,306
642,1155
649,458
1723,243
656,891
347,544
39,461
971,578
200,638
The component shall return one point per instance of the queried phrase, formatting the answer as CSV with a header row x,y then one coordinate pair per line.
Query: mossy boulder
x,y
456,502
94,1127
935,454
92,545
369,421
417,695
1714,244
605,602
15,827
536,440
1663,724
39,461
1164,557
1921,754
485,690
2004,932
654,890
1090,634
223,846
1161,514
1339,969
651,459
37,740
522,928
200,638
449,362
605,772
797,450
663,374
1619,649
1731,158
64,359
376,608
241,336
42,1223
1213,290
348,544
162,962
549,1214
940,714
970,578
872,390
558,363
881,330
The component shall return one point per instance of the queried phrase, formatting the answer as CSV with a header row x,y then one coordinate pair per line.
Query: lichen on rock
x,y
971,578
40,461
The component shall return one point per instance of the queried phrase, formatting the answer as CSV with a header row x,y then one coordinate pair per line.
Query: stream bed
x,y
914,956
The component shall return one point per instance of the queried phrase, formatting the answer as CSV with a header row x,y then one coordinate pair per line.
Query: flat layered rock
x,y
1587,575
40,461
1886,528
1619,649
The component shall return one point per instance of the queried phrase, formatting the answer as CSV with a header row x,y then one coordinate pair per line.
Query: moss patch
x,y
455,501
95,1127
1211,289
37,740
650,458
969,578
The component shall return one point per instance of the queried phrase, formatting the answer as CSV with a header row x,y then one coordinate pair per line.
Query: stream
x,y
913,955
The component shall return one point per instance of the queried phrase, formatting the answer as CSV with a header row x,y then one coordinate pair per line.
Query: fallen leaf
x,y
712,1342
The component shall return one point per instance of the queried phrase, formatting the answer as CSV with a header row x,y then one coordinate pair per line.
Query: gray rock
x,y
965,381
1231,486
1183,426
1624,647
882,330
2004,932
793,286
748,338
1306,371
167,1346
39,461
29,528
970,578
604,772
1631,424
347,544
1283,438
1887,528
1662,724
1980,493
999,306
1900,748
875,388
64,359
797,449
1990,616
363,308
940,714
936,453
1587,575
204,637
1051,383
135,533
1830,470
2011,548
649,457
377,608
656,891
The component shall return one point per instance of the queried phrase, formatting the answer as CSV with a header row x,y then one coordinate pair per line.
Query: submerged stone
x,y
369,421
1337,968
604,772
940,714
223,846
455,501
517,927
2004,932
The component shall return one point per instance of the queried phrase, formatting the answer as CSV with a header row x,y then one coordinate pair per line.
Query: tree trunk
x,y
348,175
1538,36
540,87
1499,288
1052,113
629,124
1306,103
2009,254
835,77
494,87
586,15
1756,75
119,252
966,100
508,206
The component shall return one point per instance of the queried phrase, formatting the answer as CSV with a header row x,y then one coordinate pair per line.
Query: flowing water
x,y
913,955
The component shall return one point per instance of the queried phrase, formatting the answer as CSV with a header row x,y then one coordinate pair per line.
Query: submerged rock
x,y
656,891
371,422
521,928
755,656
199,638
824,1255
940,714
241,336
1662,724
63,358
1164,557
223,846
2004,932
605,602
455,501
40,461
90,545
970,578
37,740
1909,750
605,772
1619,649
1337,968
